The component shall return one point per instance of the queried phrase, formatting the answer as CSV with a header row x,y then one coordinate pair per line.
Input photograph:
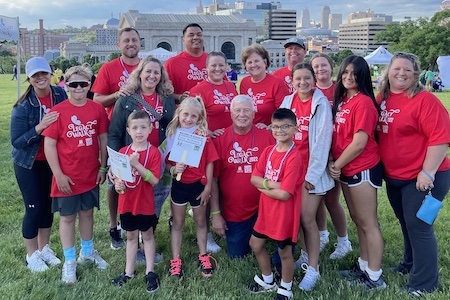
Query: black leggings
x,y
35,186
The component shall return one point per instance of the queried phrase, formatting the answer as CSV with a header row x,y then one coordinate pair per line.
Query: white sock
x,y
324,233
268,278
374,275
362,263
286,285
342,239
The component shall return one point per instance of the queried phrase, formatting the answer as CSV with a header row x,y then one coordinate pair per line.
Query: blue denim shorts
x,y
238,237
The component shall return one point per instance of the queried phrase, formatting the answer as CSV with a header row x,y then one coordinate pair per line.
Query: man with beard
x,y
239,148
189,67
108,87
294,52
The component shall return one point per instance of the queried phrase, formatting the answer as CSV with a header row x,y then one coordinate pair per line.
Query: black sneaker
x,y
284,294
116,238
152,281
122,279
401,269
259,286
369,284
413,292
352,273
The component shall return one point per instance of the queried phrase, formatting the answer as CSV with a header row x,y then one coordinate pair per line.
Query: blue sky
x,y
77,13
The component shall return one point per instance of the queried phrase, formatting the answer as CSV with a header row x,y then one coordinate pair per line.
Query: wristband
x,y
217,212
428,175
172,171
264,184
116,95
148,175
102,169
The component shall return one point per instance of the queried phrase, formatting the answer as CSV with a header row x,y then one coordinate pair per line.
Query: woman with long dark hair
x,y
356,163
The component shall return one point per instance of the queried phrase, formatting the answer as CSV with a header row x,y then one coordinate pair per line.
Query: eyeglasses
x,y
75,84
283,127
406,55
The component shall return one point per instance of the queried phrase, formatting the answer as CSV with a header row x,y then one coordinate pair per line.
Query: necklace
x,y
144,164
43,110
269,164
253,137
346,101
125,71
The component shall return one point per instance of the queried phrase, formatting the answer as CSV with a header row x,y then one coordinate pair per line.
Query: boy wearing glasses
x,y
73,145
278,179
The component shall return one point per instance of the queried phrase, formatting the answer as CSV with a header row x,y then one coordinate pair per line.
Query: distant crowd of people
x,y
278,150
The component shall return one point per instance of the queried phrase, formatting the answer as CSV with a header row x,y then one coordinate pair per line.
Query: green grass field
x,y
16,282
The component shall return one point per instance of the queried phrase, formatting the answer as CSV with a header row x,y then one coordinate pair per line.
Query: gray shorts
x,y
67,206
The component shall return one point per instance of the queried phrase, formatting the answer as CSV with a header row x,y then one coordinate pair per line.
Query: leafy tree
x,y
113,55
340,56
426,38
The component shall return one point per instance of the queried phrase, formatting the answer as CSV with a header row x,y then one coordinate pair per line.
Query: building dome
x,y
445,4
112,23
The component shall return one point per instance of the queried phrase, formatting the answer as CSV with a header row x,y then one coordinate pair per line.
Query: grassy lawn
x,y
16,282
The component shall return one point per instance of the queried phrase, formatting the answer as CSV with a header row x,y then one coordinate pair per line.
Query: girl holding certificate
x,y
194,186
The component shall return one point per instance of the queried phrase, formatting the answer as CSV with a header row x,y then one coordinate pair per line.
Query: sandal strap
x,y
285,292
261,282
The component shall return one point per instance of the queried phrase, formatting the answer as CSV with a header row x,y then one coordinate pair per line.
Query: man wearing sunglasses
x,y
108,87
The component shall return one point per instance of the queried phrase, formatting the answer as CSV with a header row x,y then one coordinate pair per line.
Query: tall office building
x,y
334,21
325,15
280,24
305,19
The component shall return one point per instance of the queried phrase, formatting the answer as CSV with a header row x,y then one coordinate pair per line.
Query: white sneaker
x,y
94,258
191,212
35,262
69,272
310,279
342,249
211,245
324,240
49,257
303,259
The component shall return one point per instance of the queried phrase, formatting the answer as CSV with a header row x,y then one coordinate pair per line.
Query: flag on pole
x,y
9,29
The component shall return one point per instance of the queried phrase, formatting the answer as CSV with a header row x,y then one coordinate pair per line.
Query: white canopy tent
x,y
444,70
379,57
159,53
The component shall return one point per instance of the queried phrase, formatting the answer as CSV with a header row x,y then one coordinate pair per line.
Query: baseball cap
x,y
35,65
296,41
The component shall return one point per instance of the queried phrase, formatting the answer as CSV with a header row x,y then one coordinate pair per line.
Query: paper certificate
x,y
120,165
191,145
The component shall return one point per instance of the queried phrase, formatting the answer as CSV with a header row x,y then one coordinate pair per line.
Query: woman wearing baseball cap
x,y
29,117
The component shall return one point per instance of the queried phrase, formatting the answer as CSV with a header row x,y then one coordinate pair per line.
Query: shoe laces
x,y
310,274
175,266
205,261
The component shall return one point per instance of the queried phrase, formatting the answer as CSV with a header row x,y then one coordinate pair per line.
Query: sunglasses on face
x,y
75,84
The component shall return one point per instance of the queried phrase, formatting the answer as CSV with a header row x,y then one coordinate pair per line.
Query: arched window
x,y
164,45
229,50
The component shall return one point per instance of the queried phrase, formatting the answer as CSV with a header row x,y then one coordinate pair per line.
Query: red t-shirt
x,y
302,111
138,198
77,133
286,75
192,174
217,99
278,219
156,102
267,96
111,77
185,71
357,114
238,155
46,105
329,92
406,128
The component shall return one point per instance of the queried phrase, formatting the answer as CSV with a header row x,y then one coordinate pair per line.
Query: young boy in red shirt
x,y
136,199
278,179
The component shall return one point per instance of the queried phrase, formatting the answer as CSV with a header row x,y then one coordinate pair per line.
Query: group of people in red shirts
x,y
282,147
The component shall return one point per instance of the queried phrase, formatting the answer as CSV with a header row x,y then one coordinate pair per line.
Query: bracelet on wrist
x,y
217,212
148,175
116,95
428,175
103,169
264,184
172,171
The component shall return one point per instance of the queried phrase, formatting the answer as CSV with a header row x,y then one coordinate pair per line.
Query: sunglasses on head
x,y
75,84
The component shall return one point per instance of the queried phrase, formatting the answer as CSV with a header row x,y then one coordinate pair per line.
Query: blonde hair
x,y
79,70
193,102
163,88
